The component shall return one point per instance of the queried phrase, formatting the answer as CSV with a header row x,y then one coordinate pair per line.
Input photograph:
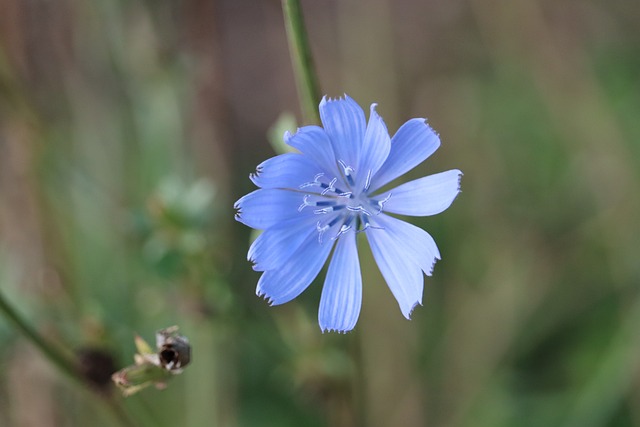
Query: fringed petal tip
x,y
256,175
238,214
261,294
426,123
433,265
345,331
252,258
327,99
410,312
255,266
459,189
237,205
288,134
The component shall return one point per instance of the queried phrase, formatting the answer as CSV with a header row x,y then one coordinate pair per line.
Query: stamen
x,y
321,230
343,229
328,209
367,183
367,224
330,187
305,202
348,170
326,188
380,204
358,208
329,203
315,183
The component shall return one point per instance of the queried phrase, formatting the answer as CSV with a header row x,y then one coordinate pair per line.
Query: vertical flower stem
x,y
52,354
302,61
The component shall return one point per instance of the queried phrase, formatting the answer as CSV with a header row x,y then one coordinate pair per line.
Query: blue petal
x,y
412,144
277,244
285,171
375,148
344,122
314,142
403,277
287,282
425,196
264,208
342,292
417,245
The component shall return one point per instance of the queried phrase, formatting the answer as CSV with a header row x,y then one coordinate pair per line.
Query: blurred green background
x,y
129,128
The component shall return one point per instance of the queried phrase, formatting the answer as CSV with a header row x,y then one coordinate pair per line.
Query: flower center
x,y
342,202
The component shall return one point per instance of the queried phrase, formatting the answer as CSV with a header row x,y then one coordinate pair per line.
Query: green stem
x,y
301,58
58,359
119,412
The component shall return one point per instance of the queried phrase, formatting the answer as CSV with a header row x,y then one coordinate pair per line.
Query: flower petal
x,y
287,282
416,244
314,142
342,291
344,122
403,277
425,196
412,144
375,148
264,208
285,171
277,244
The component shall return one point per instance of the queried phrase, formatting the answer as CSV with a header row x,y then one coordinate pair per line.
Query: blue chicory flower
x,y
328,193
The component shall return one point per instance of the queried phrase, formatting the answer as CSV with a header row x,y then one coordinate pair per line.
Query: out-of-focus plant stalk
x,y
52,354
57,358
301,58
